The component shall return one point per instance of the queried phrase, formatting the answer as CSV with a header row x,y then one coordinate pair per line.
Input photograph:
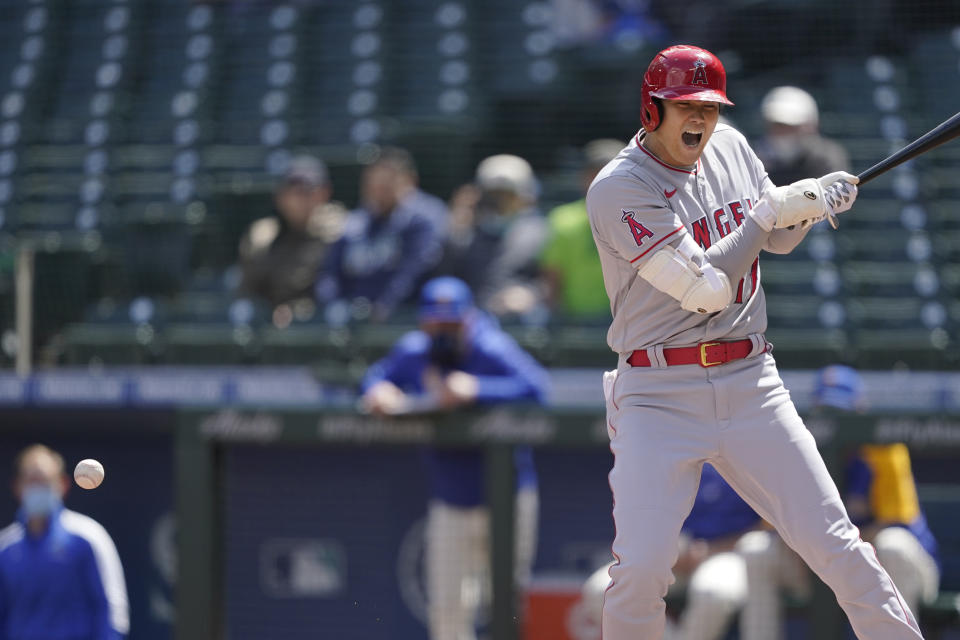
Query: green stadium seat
x,y
788,276
933,59
872,212
883,278
871,244
432,65
213,329
52,157
310,343
343,58
167,72
210,344
944,214
86,344
84,71
950,278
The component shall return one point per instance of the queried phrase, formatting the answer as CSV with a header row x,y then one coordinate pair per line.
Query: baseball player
x,y
459,358
679,219
709,563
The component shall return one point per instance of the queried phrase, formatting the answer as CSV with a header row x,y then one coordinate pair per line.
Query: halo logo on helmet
x,y
681,72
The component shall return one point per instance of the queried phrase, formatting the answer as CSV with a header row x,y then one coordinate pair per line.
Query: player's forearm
x,y
493,389
736,251
786,240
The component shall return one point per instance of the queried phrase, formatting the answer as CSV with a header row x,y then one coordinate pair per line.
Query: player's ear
x,y
658,103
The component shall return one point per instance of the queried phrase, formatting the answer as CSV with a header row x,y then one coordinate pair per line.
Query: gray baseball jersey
x,y
637,204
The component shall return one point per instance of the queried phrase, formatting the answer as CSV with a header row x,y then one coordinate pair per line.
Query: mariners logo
x,y
412,579
411,572
700,73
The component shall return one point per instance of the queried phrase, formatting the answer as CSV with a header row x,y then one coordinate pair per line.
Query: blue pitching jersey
x,y
718,511
506,373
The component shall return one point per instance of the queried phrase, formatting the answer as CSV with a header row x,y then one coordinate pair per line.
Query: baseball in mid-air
x,y
88,473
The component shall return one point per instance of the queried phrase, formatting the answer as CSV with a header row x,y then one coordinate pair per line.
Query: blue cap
x,y
445,299
840,387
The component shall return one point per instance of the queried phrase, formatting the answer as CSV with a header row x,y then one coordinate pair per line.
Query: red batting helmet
x,y
681,72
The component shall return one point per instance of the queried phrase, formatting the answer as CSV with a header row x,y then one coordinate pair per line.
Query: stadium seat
x,y
873,212
950,279
801,276
933,59
313,343
884,245
179,59
214,330
432,68
344,73
889,278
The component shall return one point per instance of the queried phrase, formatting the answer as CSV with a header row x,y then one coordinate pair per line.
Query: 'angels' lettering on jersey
x,y
725,219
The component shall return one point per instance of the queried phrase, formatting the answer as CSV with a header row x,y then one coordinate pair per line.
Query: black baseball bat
x,y
944,132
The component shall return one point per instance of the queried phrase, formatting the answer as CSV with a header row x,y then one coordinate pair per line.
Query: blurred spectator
x,y
60,575
881,497
388,244
496,235
570,262
792,147
460,358
709,567
280,254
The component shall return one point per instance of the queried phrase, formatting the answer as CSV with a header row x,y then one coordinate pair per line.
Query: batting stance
x,y
679,219
458,358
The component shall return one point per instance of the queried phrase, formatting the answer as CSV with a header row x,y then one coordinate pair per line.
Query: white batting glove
x,y
840,195
804,200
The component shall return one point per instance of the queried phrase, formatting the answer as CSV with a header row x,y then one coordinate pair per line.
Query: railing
x,y
203,435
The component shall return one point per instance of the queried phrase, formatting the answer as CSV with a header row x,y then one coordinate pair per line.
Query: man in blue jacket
x,y
460,358
388,245
60,575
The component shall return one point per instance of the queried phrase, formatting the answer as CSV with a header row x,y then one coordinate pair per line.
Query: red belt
x,y
705,354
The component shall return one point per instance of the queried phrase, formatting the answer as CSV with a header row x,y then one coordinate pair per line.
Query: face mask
x,y
493,224
445,350
39,501
787,147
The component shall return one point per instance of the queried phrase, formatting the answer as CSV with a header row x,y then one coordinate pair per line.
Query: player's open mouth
x,y
692,139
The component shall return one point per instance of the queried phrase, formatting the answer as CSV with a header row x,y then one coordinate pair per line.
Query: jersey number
x,y
754,269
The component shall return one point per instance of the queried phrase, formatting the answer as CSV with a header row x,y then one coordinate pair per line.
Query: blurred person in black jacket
x,y
280,254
